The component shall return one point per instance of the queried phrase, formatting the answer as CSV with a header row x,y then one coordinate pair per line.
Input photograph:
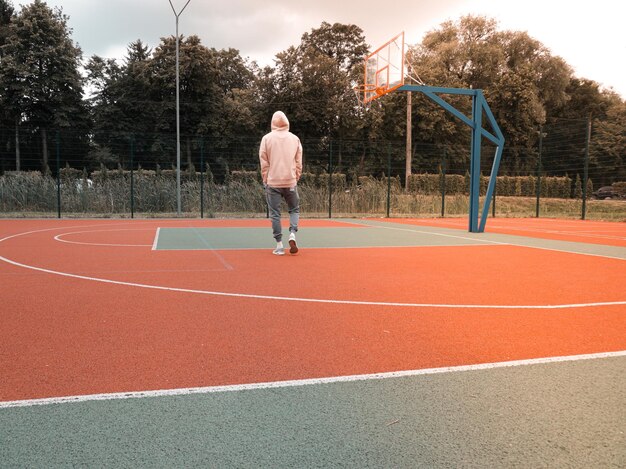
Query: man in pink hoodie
x,y
280,155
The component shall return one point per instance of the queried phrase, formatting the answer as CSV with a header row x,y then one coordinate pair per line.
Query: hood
x,y
280,121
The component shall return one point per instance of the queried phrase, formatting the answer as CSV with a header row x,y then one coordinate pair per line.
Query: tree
x,y
40,73
137,99
6,120
121,104
235,102
6,13
313,84
584,98
199,92
231,122
520,78
464,54
570,120
608,144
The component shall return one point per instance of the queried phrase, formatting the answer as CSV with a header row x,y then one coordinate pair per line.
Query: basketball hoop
x,y
367,92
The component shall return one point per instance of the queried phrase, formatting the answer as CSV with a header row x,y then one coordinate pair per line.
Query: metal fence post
x,y
539,171
493,199
58,152
201,177
389,178
443,183
330,180
132,178
586,171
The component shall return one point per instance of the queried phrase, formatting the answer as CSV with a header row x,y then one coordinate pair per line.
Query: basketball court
x,y
382,342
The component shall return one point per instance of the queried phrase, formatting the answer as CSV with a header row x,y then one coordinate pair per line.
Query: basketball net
x,y
365,91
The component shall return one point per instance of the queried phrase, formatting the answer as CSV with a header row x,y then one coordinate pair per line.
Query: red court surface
x,y
90,308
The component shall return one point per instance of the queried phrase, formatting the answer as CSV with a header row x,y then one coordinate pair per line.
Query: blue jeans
x,y
275,195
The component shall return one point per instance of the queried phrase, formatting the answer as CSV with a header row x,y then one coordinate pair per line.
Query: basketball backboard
x,y
384,69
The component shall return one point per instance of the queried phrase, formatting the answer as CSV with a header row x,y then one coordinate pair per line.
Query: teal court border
x,y
178,239
364,234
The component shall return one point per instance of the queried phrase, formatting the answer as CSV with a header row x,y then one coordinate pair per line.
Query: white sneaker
x,y
279,250
293,247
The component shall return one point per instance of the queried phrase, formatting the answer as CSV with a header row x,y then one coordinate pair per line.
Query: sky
x,y
589,36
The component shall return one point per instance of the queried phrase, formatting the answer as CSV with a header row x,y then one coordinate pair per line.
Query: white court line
x,y
301,299
486,241
501,243
581,234
59,238
588,234
156,238
432,233
314,300
568,252
303,382
213,251
493,224
308,300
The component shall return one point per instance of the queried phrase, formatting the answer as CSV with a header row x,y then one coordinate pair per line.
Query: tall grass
x,y
27,191
154,195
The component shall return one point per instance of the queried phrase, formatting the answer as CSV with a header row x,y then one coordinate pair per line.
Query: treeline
x,y
47,106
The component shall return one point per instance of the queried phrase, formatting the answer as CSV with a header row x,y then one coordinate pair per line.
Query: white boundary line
x,y
211,249
303,382
299,299
156,238
59,238
314,300
567,252
459,224
504,244
477,240
582,234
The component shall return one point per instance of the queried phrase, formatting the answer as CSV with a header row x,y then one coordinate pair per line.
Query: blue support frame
x,y
479,107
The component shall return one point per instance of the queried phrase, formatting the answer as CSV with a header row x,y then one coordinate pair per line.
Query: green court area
x,y
363,234
315,237
566,414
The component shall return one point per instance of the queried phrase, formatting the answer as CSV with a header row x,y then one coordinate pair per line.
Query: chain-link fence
x,y
66,174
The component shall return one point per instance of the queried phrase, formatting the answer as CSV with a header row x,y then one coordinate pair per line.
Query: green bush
x,y
339,180
425,183
528,186
246,177
455,184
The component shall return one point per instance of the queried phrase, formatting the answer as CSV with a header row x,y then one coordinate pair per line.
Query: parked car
x,y
606,192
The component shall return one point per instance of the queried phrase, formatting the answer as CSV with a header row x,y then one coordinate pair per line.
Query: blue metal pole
x,y
479,106
491,188
477,115
499,141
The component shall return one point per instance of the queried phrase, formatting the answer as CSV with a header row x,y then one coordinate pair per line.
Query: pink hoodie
x,y
280,154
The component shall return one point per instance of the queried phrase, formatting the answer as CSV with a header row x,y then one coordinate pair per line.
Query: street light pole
x,y
177,15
